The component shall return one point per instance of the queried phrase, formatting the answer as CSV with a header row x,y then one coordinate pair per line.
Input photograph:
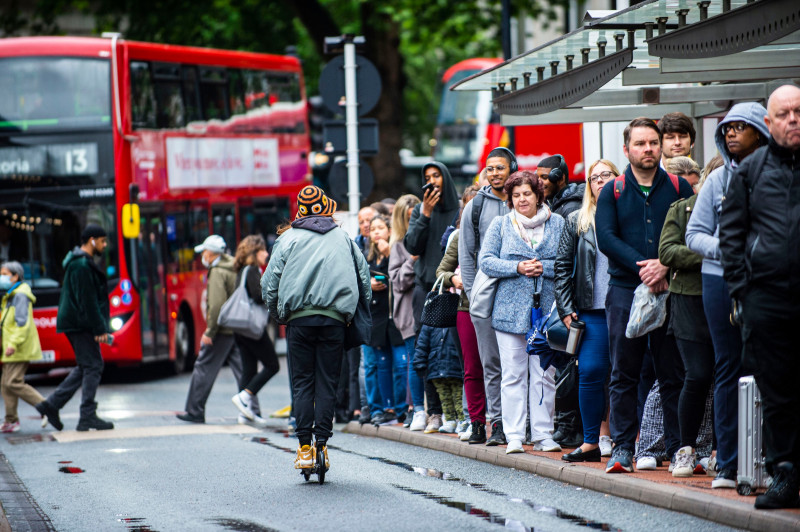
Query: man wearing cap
x,y
217,343
83,315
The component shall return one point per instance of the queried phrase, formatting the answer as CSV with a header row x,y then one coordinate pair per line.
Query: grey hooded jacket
x,y
702,232
468,249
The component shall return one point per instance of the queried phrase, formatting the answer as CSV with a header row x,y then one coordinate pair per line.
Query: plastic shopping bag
x,y
648,311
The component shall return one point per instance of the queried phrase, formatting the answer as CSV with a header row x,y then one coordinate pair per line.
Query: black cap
x,y
92,231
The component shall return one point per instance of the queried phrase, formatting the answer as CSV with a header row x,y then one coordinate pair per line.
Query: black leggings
x,y
698,360
252,352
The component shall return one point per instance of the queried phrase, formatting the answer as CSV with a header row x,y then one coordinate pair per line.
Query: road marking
x,y
69,436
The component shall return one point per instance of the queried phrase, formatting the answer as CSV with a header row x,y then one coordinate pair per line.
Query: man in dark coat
x,y
759,239
83,315
562,196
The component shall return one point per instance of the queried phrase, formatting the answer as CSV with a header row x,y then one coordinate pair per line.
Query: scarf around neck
x,y
526,226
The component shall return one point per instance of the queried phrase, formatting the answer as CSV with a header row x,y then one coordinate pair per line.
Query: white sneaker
x,y
448,427
515,446
646,463
702,466
711,468
243,401
241,420
418,422
464,436
547,445
463,426
684,463
605,445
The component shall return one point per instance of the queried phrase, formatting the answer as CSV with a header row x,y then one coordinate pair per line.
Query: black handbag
x,y
440,308
567,383
359,331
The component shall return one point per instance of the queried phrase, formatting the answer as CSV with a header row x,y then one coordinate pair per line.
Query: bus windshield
x,y
54,93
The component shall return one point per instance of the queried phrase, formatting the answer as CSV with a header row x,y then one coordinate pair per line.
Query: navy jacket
x,y
438,353
629,228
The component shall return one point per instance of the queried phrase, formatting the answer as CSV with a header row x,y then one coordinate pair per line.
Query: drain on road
x,y
239,525
27,514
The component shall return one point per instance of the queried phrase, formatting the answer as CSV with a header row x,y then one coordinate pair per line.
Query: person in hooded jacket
x,y
83,315
312,284
738,135
562,196
428,222
20,344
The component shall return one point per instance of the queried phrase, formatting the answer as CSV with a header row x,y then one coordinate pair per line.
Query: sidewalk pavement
x,y
693,496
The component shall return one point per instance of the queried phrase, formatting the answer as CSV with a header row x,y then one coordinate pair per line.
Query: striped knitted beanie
x,y
312,201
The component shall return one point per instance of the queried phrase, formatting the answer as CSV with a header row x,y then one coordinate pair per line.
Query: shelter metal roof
x,y
690,56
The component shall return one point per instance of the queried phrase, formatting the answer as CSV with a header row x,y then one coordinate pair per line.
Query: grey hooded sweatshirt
x,y
702,231
468,248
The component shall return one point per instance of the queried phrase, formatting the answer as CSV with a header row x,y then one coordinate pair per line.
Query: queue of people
x,y
526,243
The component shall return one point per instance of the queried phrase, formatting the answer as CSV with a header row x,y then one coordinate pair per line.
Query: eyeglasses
x,y
737,126
491,169
605,176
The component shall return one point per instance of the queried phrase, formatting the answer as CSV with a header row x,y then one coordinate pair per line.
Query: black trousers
x,y
253,352
627,355
431,395
85,376
315,355
771,348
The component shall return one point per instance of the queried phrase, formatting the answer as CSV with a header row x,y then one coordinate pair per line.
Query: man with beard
x,y
489,203
638,201
759,232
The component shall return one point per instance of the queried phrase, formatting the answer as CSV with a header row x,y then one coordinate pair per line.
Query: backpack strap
x,y
675,183
759,158
619,186
477,207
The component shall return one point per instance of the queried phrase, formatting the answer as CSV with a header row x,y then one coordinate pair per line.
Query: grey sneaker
x,y
684,463
434,424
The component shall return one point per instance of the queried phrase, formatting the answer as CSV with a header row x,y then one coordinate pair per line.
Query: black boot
x,y
478,433
50,413
782,493
498,437
93,422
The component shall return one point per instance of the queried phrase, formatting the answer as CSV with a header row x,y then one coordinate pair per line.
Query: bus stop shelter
x,y
659,56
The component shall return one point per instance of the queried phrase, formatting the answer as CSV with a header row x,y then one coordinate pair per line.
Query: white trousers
x,y
524,381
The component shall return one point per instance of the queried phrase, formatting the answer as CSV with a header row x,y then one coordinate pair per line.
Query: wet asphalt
x,y
245,482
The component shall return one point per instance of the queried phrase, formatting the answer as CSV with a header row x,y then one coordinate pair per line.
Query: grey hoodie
x,y
467,247
702,232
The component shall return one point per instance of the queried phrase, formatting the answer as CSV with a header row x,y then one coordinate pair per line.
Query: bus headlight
x,y
117,322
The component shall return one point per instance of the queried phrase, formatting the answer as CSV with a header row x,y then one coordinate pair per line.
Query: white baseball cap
x,y
214,244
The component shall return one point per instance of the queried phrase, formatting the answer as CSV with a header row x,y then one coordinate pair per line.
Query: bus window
x,y
236,91
224,224
180,246
190,93
284,88
143,98
213,93
263,218
256,89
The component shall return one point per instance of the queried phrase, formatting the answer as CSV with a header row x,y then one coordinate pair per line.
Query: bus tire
x,y
184,340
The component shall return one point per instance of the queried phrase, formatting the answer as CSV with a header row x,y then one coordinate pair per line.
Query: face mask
x,y
5,282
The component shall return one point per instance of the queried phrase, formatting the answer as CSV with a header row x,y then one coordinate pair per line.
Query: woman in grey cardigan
x,y
518,248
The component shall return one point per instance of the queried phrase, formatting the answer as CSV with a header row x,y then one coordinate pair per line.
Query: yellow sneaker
x,y
304,458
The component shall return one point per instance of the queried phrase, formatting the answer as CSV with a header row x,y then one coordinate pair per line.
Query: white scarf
x,y
531,230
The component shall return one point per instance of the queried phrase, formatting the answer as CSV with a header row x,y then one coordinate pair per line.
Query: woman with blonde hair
x,y
581,279
401,275
251,257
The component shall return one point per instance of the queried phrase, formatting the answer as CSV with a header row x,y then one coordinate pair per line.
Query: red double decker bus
x,y
207,141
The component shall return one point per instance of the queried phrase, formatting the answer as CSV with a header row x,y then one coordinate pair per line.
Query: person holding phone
x,y
385,358
428,222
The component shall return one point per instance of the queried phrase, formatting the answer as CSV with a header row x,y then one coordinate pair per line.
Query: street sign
x,y
368,81
337,181
335,136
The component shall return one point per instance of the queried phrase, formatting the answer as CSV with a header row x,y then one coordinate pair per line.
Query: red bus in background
x,y
215,142
468,128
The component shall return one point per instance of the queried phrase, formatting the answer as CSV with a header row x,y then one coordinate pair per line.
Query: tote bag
x,y
440,308
242,315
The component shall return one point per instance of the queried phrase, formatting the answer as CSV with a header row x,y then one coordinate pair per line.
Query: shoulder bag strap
x,y
477,207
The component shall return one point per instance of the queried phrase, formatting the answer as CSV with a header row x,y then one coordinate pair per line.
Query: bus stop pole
x,y
351,124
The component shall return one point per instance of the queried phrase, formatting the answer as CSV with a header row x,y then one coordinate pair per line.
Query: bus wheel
x,y
183,344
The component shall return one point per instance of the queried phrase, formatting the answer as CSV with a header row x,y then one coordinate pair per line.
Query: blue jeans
x,y
593,361
393,376
728,368
415,383
627,355
374,397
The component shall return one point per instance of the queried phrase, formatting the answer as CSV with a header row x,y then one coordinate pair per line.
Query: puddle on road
x,y
135,524
30,438
239,525
441,475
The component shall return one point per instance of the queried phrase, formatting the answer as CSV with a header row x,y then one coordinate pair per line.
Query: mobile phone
x,y
380,278
427,187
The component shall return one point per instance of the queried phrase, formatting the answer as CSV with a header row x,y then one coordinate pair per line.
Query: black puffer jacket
x,y
575,253
759,226
438,353
424,236
568,200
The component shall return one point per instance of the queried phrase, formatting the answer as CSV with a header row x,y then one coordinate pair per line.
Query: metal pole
x,y
351,124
